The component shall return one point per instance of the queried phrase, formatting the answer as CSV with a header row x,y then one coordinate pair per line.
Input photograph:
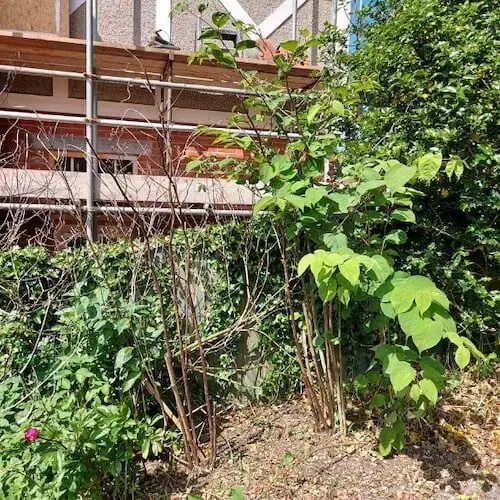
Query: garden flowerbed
x,y
273,452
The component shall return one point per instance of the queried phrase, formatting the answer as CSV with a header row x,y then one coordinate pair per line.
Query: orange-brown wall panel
x,y
45,16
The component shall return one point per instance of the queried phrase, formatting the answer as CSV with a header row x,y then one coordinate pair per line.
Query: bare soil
x,y
273,452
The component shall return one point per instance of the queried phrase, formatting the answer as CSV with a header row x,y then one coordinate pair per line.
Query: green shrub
x,y
431,71
81,337
71,442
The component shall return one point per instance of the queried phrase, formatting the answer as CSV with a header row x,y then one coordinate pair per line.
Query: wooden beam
x,y
29,49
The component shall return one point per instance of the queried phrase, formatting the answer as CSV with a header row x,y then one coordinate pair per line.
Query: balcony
x,y
50,185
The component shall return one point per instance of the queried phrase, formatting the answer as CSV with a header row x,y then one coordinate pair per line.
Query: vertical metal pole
x,y
57,14
91,115
169,112
335,8
294,19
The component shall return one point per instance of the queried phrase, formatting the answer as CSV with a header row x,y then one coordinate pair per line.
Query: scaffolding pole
x,y
143,82
110,122
90,120
125,209
294,19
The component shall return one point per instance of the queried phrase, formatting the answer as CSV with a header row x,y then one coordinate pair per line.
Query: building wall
x,y
34,140
184,24
312,15
29,177
58,95
119,21
132,21
45,16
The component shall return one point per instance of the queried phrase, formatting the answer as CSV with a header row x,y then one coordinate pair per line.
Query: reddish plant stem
x,y
309,385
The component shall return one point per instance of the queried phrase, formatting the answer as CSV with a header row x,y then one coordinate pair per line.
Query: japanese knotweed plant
x,y
338,231
356,228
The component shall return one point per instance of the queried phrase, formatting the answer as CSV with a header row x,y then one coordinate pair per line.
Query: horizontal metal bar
x,y
211,89
21,115
125,210
173,127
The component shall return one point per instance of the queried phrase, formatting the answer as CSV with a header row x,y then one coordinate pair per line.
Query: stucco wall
x,y
132,21
45,16
312,15
119,21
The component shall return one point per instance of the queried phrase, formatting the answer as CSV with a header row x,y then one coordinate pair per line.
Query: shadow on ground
x,y
458,450
451,464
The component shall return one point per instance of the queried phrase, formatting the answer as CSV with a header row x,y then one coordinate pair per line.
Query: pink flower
x,y
31,434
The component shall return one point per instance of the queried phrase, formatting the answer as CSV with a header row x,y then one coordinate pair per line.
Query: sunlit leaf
x,y
335,241
398,175
220,19
404,215
337,108
401,299
314,195
263,203
236,493
246,44
364,187
304,263
385,440
350,271
429,390
462,357
296,201
398,237
290,45
312,112
401,374
429,165
425,332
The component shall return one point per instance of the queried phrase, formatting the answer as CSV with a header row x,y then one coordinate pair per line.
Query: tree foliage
x,y
432,71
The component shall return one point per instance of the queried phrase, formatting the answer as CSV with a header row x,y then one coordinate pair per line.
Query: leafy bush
x,y
339,237
59,384
431,69
71,442
82,369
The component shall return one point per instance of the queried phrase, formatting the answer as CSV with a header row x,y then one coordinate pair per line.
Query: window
x,y
108,164
116,166
228,38
71,164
